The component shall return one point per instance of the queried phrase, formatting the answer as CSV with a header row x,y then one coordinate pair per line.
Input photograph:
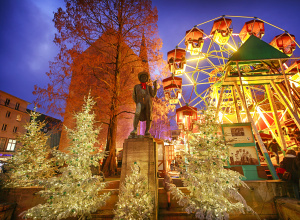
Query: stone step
x,y
103,214
173,214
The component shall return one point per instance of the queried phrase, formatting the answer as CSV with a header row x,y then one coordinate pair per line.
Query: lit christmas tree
x,y
135,201
75,192
30,162
213,189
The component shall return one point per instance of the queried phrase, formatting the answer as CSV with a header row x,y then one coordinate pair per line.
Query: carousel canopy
x,y
256,49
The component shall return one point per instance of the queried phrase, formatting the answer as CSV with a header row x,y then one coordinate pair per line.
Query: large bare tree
x,y
98,41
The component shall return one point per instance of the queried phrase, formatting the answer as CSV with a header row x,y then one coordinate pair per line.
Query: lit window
x,y
19,117
17,106
11,145
7,101
2,143
15,129
4,126
7,114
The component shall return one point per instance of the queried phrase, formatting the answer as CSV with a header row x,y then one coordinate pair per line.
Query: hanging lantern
x,y
176,61
285,43
194,41
172,89
252,27
185,117
221,31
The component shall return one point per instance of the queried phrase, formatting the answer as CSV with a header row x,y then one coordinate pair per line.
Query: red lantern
x,y
221,30
172,89
252,27
176,61
185,117
194,41
284,42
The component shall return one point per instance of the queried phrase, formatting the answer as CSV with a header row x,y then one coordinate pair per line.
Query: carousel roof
x,y
256,49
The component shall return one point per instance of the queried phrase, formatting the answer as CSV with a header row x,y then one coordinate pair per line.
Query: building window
x,y
7,101
2,144
4,126
8,114
17,106
11,145
15,129
19,117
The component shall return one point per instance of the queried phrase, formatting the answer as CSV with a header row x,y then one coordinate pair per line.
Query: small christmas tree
x,y
75,192
213,189
30,162
135,201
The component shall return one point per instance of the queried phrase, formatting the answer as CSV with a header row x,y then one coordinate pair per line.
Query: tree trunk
x,y
109,163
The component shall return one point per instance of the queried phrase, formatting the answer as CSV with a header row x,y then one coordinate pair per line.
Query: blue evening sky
x,y
27,32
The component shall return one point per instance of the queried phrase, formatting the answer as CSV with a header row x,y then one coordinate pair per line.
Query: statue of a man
x,y
142,96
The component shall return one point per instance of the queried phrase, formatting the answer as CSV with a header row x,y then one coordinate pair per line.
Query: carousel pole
x,y
276,119
219,102
221,96
287,86
284,101
255,131
236,107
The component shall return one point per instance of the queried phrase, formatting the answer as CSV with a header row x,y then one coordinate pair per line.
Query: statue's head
x,y
143,77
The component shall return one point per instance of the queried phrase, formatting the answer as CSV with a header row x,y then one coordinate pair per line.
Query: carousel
x,y
228,63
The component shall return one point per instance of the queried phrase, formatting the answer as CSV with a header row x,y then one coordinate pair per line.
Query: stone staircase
x,y
261,194
176,211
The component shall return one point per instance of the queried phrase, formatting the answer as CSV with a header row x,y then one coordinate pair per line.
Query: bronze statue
x,y
142,96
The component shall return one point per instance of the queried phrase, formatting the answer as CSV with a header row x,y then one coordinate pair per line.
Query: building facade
x,y
52,128
13,115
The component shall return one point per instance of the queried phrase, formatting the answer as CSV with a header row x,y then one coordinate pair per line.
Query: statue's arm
x,y
134,94
153,92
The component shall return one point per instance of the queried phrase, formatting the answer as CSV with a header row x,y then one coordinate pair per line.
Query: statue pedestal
x,y
144,151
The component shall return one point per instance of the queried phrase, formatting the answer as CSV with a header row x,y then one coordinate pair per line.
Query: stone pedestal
x,y
144,151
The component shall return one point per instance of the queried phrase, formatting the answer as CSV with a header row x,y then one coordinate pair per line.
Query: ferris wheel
x,y
225,62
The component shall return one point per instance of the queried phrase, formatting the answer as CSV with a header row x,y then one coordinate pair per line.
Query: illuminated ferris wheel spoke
x,y
209,21
218,54
223,58
271,24
234,42
190,67
194,59
236,16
